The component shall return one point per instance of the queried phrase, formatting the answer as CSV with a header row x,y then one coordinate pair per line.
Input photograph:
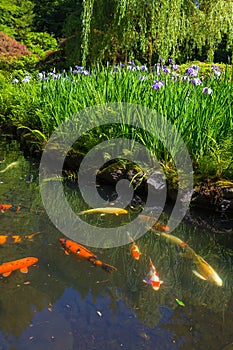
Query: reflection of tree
x,y
17,303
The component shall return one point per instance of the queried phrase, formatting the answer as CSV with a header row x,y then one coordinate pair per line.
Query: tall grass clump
x,y
196,99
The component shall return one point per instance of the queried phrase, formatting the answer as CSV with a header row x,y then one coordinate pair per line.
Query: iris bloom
x,y
26,79
157,84
207,90
190,71
196,81
15,81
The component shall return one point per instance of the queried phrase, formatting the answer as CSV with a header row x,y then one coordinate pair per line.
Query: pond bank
x,y
213,195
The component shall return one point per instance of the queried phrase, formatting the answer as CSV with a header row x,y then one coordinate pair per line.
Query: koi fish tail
x,y
108,268
105,267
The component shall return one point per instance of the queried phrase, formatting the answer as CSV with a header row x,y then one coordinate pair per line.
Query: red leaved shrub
x,y
10,48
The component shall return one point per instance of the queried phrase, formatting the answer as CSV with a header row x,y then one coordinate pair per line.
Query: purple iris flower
x,y
175,66
216,70
170,60
131,68
185,78
157,84
26,79
166,70
84,72
132,63
196,81
207,91
79,68
144,68
190,71
15,81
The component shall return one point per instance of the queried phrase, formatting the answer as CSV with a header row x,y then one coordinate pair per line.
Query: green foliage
x,y
16,17
142,29
39,43
24,63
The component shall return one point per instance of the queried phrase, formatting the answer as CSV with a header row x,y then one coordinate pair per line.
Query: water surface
x,y
67,304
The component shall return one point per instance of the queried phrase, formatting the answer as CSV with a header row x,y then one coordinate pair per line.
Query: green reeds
x,y
205,121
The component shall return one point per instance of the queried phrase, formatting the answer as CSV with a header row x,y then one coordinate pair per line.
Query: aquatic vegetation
x,y
196,101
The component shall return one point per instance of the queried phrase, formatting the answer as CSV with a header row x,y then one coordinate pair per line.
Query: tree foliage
x,y
120,30
142,28
16,17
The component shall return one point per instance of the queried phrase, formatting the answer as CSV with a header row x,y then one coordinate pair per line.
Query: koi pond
x,y
64,303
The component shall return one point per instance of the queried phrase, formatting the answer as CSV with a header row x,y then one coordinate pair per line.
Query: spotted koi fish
x,y
152,277
134,250
83,253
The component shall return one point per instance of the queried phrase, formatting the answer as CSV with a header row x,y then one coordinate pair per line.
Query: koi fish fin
x,y
32,235
147,281
17,239
24,270
66,252
6,274
102,214
199,275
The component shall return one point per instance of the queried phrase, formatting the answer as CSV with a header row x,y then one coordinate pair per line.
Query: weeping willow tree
x,y
143,28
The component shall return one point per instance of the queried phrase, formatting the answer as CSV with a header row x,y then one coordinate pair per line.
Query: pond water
x,y
64,304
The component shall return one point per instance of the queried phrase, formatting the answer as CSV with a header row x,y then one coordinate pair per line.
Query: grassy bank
x,y
195,98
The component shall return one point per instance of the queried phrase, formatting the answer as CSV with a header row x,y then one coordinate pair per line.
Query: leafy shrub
x,y
15,56
40,43
9,47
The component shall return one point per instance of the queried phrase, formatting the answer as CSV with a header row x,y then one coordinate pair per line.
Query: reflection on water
x,y
63,303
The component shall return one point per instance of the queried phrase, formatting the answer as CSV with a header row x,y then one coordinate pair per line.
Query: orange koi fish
x,y
135,252
21,264
152,277
154,224
160,227
83,253
4,207
15,238
106,210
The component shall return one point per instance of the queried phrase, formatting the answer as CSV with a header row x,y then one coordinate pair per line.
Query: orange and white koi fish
x,y
134,250
15,238
83,253
152,277
21,264
106,210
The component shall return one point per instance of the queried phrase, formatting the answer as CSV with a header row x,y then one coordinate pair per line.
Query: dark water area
x,y
63,303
